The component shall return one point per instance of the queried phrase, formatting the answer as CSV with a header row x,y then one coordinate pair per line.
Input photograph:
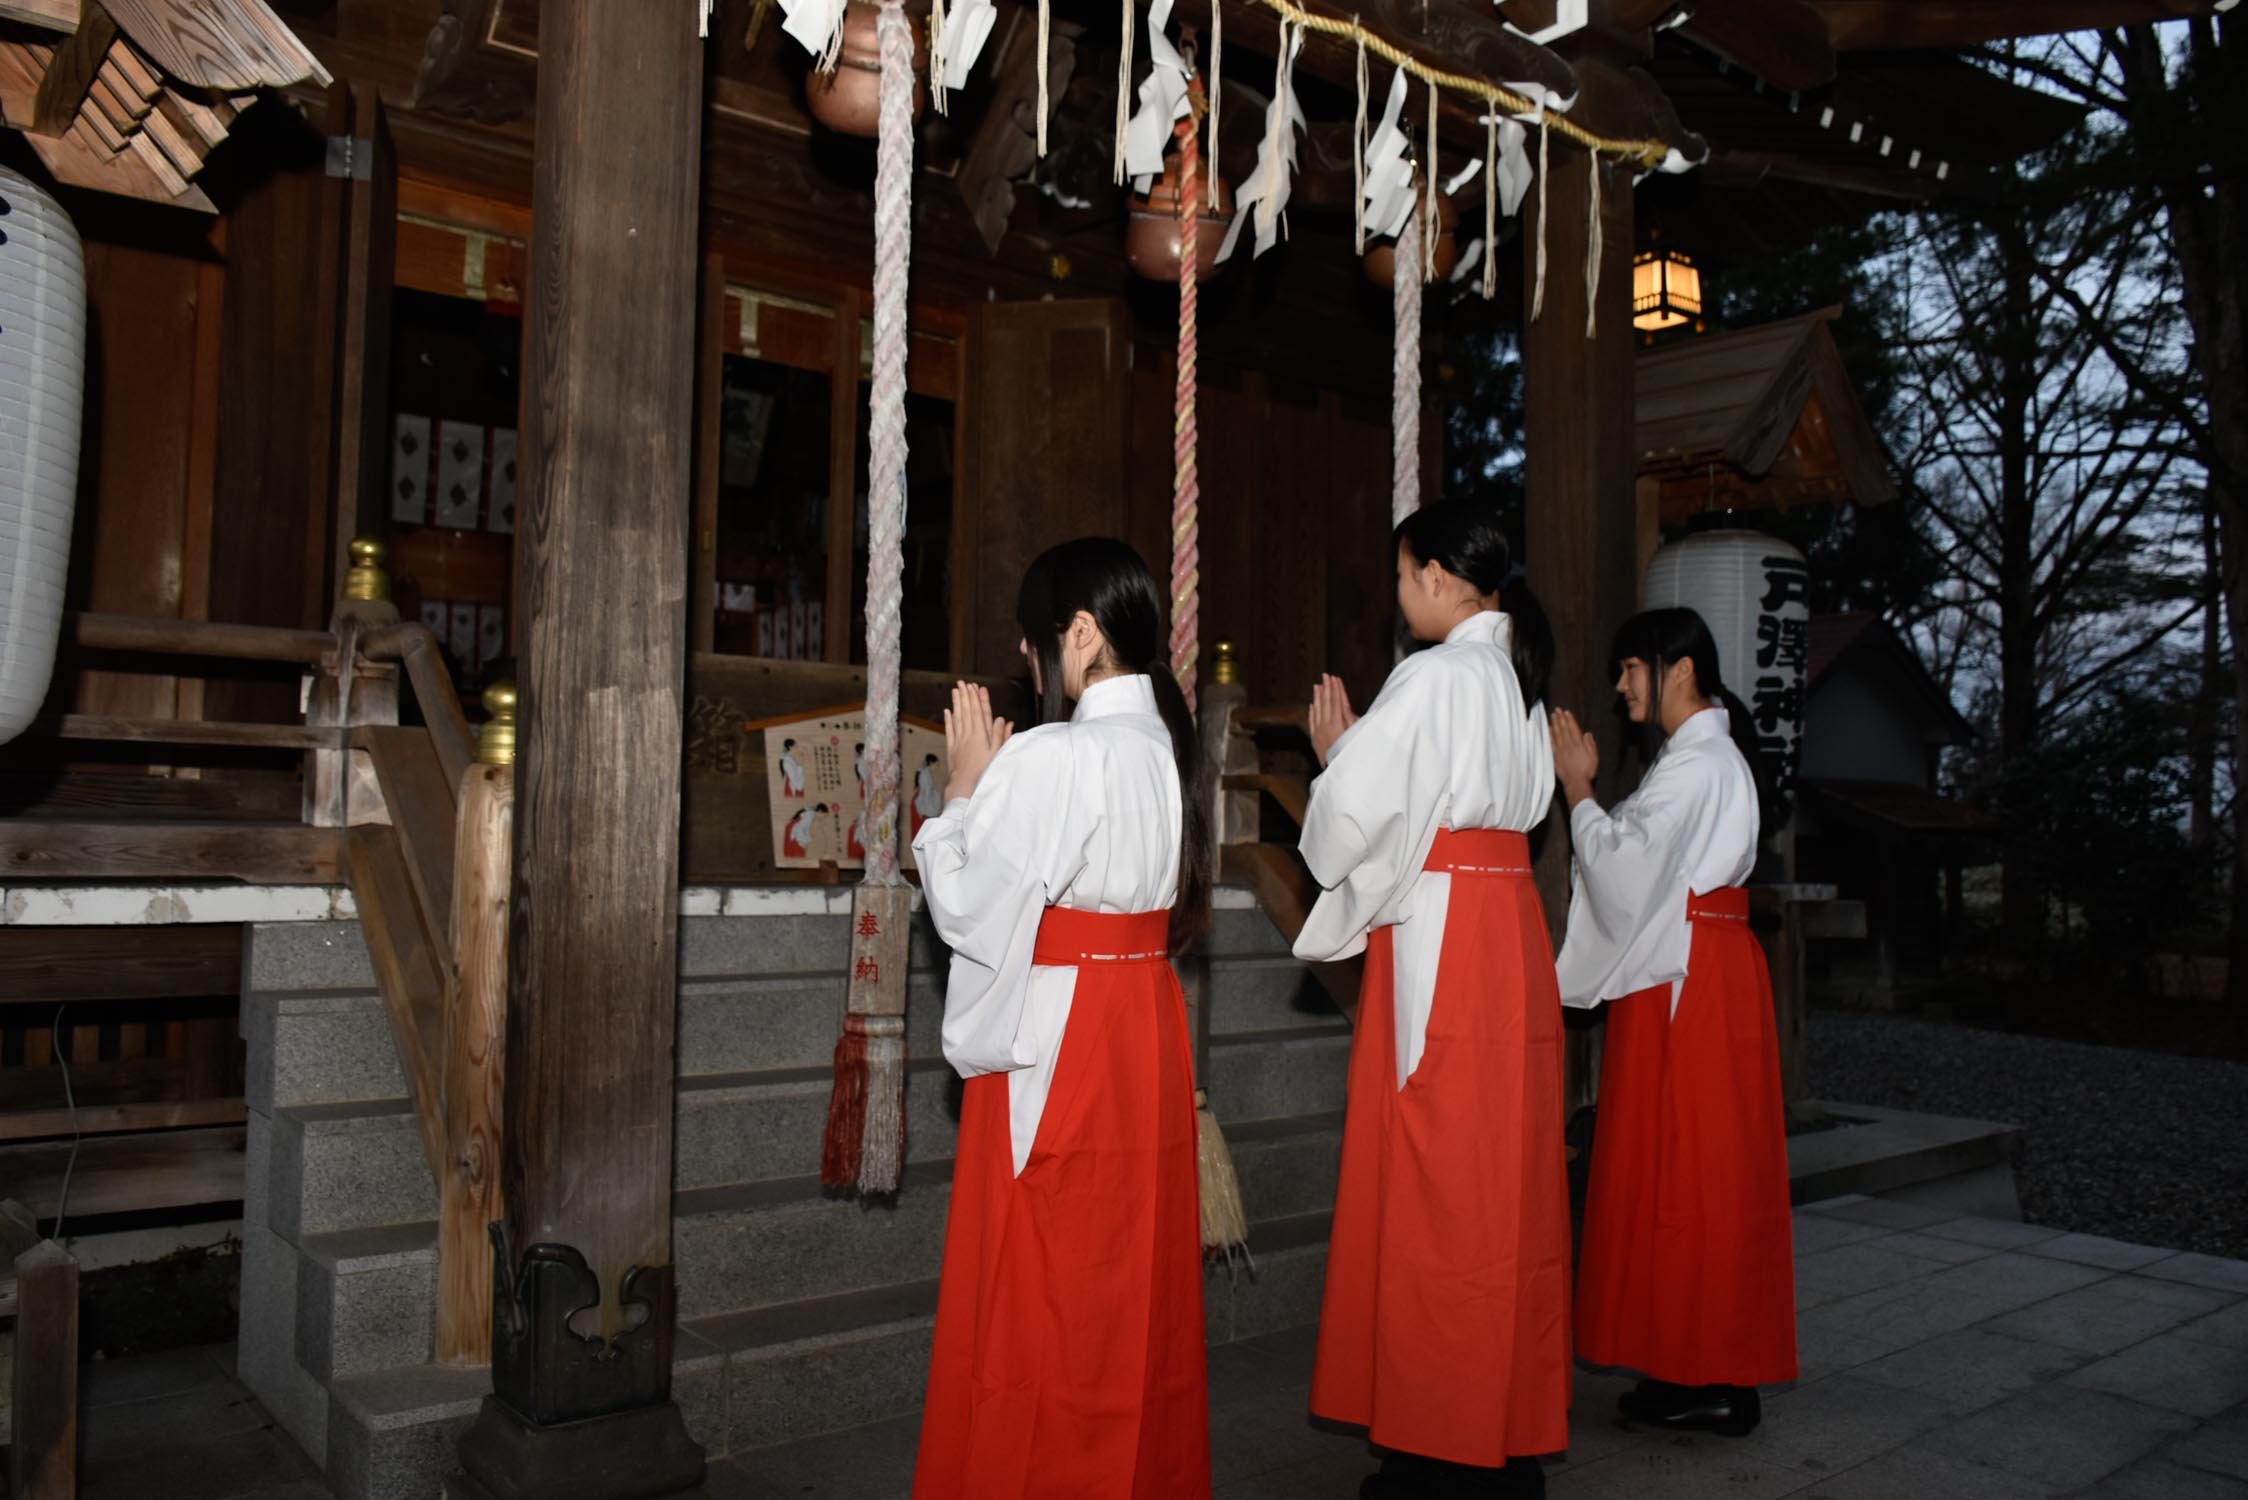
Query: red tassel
x,y
844,1142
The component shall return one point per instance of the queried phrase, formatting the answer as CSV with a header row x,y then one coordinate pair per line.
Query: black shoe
x,y
1403,1476
1730,1410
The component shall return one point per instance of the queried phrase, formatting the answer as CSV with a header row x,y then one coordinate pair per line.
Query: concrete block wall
x,y
799,1312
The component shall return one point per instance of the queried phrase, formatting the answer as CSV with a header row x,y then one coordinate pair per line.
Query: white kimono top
x,y
1690,828
1084,814
1446,744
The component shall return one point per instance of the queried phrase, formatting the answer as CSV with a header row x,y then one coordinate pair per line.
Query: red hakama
x,y
1444,1331
1688,1274
1069,1357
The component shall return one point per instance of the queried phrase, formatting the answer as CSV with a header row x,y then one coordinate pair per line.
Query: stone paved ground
x,y
1944,1359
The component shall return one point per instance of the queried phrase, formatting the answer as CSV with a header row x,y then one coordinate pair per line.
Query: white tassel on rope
x,y
1386,190
1592,247
883,1154
1124,89
1163,102
1358,152
817,26
1537,287
958,29
1213,94
1045,38
1491,190
1428,203
1405,376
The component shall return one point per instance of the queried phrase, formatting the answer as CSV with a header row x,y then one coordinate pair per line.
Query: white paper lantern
x,y
42,383
1754,593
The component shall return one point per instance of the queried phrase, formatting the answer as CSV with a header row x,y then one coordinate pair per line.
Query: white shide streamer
x,y
1266,191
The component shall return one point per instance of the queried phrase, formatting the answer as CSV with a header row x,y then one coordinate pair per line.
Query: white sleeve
x,y
1627,910
1373,816
989,864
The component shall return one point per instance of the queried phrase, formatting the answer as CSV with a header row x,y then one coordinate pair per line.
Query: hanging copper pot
x,y
1151,241
1381,259
849,99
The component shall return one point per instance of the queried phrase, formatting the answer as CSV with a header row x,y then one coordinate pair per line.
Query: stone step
x,y
356,1165
749,1379
364,1297
336,1047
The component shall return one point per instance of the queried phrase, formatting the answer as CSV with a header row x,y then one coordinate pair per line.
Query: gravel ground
x,y
2139,1146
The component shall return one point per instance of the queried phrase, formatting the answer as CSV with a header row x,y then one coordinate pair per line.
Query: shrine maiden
x,y
1688,1273
1445,1326
1064,868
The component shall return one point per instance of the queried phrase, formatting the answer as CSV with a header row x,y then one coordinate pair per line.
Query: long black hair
x,y
1108,580
1660,637
1465,539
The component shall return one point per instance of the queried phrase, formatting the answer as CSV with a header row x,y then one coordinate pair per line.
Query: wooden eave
x,y
132,96
1868,25
1767,402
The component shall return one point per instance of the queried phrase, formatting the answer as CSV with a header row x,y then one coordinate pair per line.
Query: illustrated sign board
x,y
815,770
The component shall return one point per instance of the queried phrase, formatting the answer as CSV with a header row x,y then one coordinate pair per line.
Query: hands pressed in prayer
x,y
1576,757
1331,713
972,736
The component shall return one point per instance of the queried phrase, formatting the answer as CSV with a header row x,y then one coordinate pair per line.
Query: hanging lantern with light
x,y
1666,290
848,98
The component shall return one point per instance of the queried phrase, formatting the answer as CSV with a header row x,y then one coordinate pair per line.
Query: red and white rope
x,y
1186,489
886,499
1405,387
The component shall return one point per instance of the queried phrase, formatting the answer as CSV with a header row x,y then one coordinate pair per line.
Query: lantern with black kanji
x,y
1754,593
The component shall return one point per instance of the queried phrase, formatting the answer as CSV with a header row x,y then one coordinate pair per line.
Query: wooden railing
x,y
1263,754
412,817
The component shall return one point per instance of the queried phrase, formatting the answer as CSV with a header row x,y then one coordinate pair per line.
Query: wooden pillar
x,y
1581,528
583,1301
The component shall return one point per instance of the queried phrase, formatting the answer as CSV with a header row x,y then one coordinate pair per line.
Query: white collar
x,y
1712,723
1491,625
1130,694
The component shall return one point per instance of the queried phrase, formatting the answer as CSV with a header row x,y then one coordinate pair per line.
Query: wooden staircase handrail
x,y
166,637
1273,716
412,645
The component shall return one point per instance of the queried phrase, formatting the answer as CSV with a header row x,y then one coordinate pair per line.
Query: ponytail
x,y
1190,913
1533,641
1109,581
1467,541
1770,810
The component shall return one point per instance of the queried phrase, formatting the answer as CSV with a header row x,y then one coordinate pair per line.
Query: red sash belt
x,y
1727,905
1068,937
1480,851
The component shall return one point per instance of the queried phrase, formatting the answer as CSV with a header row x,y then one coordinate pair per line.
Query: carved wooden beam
x,y
1861,25
1783,42
47,15
1454,36
227,45
1005,146
70,72
461,73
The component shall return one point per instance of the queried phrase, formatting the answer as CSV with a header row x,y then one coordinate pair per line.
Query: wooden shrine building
x,y
567,305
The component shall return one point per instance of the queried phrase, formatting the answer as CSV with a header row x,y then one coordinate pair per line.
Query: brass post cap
x,y
495,742
1225,667
367,580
